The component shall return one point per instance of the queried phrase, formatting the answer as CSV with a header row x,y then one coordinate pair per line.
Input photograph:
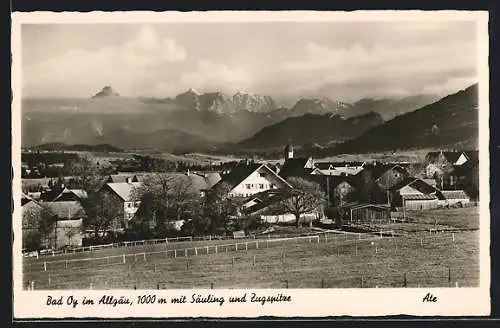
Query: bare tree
x,y
304,197
102,212
165,198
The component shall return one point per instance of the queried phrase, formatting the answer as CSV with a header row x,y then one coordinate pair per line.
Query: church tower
x,y
288,151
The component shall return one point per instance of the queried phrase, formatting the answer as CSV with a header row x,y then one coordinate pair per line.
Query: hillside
x,y
449,122
310,128
57,146
389,108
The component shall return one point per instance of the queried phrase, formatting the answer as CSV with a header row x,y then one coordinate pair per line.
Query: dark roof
x,y
451,156
66,210
473,156
294,167
417,184
378,169
238,173
326,165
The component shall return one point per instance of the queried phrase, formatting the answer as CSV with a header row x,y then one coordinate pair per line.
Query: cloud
x,y
219,76
402,69
121,66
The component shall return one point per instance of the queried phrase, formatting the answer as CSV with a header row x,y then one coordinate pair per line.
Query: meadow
x,y
328,261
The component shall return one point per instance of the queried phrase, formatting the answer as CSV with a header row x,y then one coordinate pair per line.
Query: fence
x,y
151,268
171,240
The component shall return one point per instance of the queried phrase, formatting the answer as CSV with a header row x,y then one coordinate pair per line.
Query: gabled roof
x,y
115,178
72,193
123,189
264,199
238,173
454,194
294,167
359,205
472,156
417,184
66,210
379,169
451,156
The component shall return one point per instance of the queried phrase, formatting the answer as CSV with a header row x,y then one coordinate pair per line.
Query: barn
x,y
454,198
414,202
362,213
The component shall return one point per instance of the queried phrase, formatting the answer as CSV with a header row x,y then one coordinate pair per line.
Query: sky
x,y
345,61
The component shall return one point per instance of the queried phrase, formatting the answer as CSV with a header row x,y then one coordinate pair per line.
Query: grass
x,y
426,259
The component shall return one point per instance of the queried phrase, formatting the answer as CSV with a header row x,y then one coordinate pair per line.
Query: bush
x,y
32,241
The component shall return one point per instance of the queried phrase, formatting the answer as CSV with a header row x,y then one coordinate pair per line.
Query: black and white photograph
x,y
183,153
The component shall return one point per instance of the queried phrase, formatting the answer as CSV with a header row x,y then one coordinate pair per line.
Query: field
x,y
331,260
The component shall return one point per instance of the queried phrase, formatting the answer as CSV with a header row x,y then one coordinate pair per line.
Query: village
x,y
246,199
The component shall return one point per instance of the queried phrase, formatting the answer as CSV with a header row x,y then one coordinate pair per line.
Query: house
x,y
452,198
338,189
122,192
414,194
366,213
60,193
340,168
297,167
120,178
68,225
448,167
248,178
388,176
262,205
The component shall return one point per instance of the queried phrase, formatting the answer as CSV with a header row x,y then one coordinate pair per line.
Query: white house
x,y
246,179
123,192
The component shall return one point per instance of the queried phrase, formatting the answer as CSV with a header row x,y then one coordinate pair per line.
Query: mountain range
x,y
196,120
451,122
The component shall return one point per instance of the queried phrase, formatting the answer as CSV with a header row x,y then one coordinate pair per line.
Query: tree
x,y
304,197
46,226
164,198
103,212
85,174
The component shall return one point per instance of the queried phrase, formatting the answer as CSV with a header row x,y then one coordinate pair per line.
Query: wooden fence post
x,y
453,236
283,257
175,253
232,262
236,246
66,264
144,256
196,251
185,252
49,281
107,259
211,285
44,266
356,250
359,235
317,239
246,246
256,244
406,280
33,285
456,284
187,265
156,267
207,250
123,259
166,240
322,283
286,284
362,282
253,263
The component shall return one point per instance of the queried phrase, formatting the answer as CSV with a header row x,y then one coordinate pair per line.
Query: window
x,y
137,204
272,186
129,205
248,186
262,174
261,186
